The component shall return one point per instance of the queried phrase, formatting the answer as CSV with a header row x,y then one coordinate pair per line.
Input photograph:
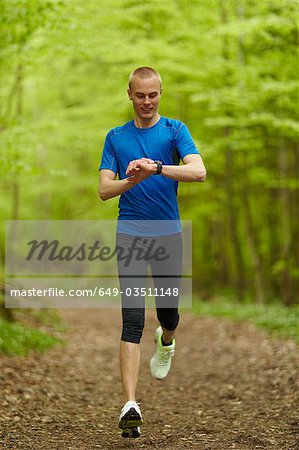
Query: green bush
x,y
16,338
279,320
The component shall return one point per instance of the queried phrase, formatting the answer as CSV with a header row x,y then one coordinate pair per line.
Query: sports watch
x,y
159,167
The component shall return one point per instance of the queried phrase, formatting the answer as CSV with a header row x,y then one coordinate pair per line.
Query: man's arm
x,y
109,187
193,169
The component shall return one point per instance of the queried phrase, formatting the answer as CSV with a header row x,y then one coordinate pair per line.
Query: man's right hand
x,y
135,165
140,169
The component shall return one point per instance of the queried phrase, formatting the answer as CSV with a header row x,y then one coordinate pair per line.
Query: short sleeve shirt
x,y
155,198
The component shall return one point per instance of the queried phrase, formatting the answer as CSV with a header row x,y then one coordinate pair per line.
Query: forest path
x,y
230,387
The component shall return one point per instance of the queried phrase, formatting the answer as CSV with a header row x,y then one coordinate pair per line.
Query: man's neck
x,y
146,123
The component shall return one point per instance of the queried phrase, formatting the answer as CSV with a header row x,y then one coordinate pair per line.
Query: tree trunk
x,y
249,226
232,221
286,285
231,210
19,112
255,258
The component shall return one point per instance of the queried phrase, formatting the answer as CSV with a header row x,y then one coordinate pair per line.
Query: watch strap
x,y
159,167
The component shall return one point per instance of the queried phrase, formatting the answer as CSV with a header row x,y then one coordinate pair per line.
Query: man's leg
x,y
167,278
167,335
167,306
129,357
129,351
130,417
133,313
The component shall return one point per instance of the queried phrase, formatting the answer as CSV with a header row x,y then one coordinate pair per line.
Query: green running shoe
x,y
161,361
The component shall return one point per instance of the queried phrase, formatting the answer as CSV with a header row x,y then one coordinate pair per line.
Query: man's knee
x,y
133,324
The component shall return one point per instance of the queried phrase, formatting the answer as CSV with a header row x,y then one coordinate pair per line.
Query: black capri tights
x,y
134,255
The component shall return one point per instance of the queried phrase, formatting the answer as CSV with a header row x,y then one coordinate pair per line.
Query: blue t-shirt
x,y
154,199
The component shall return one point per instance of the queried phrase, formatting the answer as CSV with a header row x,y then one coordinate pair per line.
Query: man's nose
x,y
146,99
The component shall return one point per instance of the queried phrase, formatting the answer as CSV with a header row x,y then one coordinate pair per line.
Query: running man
x,y
145,154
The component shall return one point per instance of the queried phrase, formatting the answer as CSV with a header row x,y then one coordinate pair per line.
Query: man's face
x,y
145,93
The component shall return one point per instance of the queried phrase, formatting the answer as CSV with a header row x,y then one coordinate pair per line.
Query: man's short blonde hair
x,y
144,72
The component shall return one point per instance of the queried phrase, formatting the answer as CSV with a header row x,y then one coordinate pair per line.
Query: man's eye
x,y
153,95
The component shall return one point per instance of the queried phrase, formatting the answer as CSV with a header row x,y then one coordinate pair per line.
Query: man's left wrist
x,y
159,166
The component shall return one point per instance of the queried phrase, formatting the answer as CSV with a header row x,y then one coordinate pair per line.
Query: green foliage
x,y
280,321
229,72
16,338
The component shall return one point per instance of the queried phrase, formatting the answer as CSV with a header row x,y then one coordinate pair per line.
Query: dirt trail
x,y
230,387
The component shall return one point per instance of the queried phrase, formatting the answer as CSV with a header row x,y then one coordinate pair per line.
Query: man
x,y
145,154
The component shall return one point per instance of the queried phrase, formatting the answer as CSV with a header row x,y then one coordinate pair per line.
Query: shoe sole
x,y
131,433
129,423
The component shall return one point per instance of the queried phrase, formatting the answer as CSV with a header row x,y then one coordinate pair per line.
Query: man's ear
x,y
161,90
129,94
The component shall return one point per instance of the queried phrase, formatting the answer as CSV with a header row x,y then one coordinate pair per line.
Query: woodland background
x,y
229,71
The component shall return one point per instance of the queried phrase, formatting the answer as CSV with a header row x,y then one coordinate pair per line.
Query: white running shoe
x,y
130,420
161,361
